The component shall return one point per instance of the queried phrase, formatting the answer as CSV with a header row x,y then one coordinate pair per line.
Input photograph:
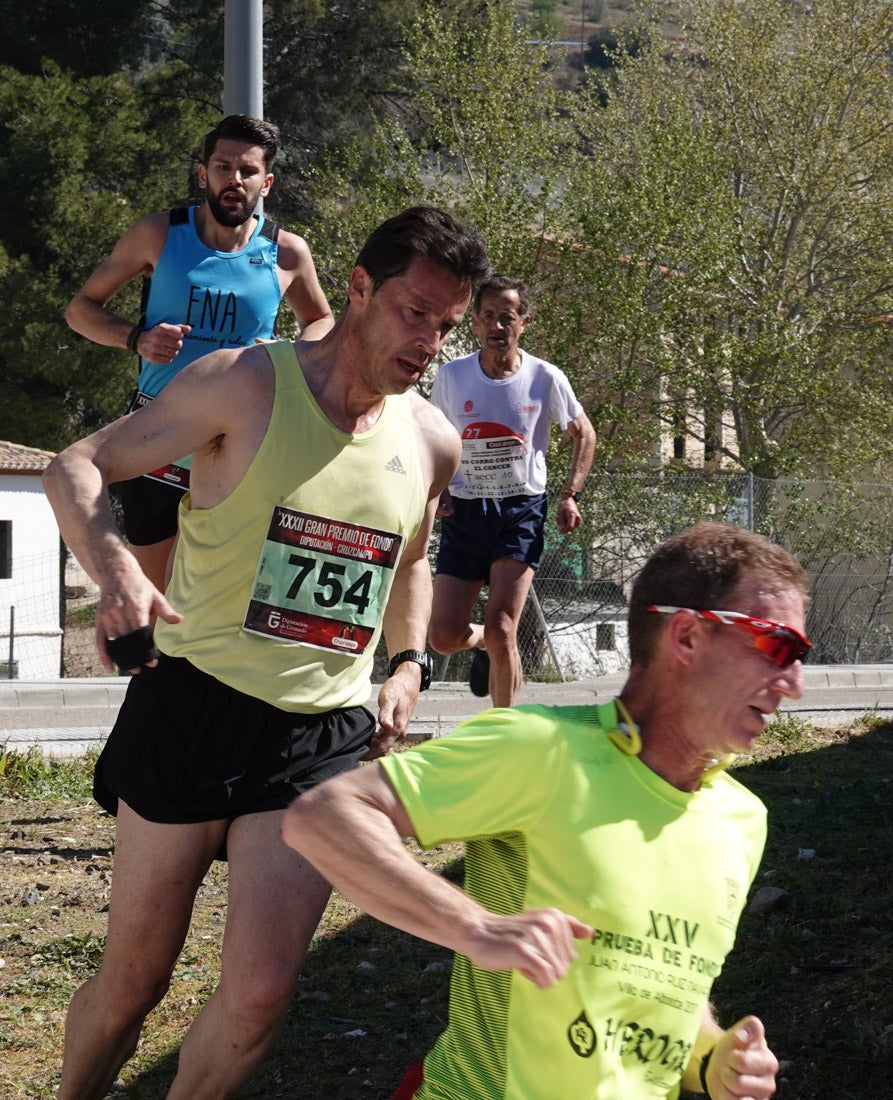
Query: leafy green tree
x,y
708,243
330,68
802,95
482,132
84,158
105,129
88,37
543,21
709,250
734,220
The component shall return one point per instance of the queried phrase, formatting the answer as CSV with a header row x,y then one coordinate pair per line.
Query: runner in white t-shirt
x,y
503,402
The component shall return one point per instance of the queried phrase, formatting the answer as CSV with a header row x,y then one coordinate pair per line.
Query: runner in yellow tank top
x,y
315,479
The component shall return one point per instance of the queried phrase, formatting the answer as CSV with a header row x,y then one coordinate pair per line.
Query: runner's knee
x,y
447,639
260,1002
500,631
134,992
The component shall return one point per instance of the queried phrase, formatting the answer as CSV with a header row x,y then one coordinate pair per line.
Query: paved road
x,y
66,717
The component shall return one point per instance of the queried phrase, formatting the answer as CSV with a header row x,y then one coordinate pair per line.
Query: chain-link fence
x,y
574,624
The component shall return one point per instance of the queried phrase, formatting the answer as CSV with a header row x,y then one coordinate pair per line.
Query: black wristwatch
x,y
419,658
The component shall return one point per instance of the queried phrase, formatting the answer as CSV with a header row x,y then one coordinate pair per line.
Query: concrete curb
x,y
67,717
110,690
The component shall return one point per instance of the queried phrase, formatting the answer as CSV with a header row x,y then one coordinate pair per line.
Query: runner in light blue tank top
x,y
214,276
229,299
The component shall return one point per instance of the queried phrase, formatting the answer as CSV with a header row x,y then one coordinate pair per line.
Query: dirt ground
x,y
55,871
345,1032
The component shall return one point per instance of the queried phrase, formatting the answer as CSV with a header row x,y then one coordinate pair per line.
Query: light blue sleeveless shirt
x,y
229,298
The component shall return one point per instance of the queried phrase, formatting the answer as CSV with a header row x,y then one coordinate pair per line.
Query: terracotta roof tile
x,y
17,459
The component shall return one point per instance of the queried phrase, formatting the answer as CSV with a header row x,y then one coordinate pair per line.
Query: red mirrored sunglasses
x,y
782,643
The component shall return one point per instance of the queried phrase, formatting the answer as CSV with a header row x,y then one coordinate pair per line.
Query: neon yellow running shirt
x,y
561,817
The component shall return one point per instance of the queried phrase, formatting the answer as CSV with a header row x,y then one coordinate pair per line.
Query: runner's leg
x,y
509,584
276,899
157,871
451,629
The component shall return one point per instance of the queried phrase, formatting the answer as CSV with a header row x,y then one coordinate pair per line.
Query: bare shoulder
x,y
222,403
437,437
294,252
159,222
248,369
136,252
149,233
225,395
216,409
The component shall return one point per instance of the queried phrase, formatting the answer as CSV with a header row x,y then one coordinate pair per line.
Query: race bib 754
x,y
321,582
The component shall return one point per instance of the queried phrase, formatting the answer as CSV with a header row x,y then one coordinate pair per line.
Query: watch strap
x,y
418,657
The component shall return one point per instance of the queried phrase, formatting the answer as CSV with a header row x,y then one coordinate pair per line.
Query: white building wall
x,y
33,588
595,646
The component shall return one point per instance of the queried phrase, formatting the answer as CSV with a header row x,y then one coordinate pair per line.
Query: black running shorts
x,y
150,509
187,748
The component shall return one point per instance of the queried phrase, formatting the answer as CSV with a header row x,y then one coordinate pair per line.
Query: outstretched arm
x,y
223,399
350,828
735,1064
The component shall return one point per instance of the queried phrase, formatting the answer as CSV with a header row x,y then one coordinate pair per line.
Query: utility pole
x,y
243,60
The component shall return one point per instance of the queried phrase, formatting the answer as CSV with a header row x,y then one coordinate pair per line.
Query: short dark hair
x,y
701,567
500,283
424,231
245,128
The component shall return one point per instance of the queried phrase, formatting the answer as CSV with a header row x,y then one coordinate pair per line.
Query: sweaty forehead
x,y
770,597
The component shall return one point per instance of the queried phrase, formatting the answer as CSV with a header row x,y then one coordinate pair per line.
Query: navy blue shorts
x,y
149,508
187,748
480,532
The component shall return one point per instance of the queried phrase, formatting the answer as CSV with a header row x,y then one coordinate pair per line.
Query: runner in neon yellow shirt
x,y
608,852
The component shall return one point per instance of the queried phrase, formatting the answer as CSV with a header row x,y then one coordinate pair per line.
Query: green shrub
x,y
32,774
